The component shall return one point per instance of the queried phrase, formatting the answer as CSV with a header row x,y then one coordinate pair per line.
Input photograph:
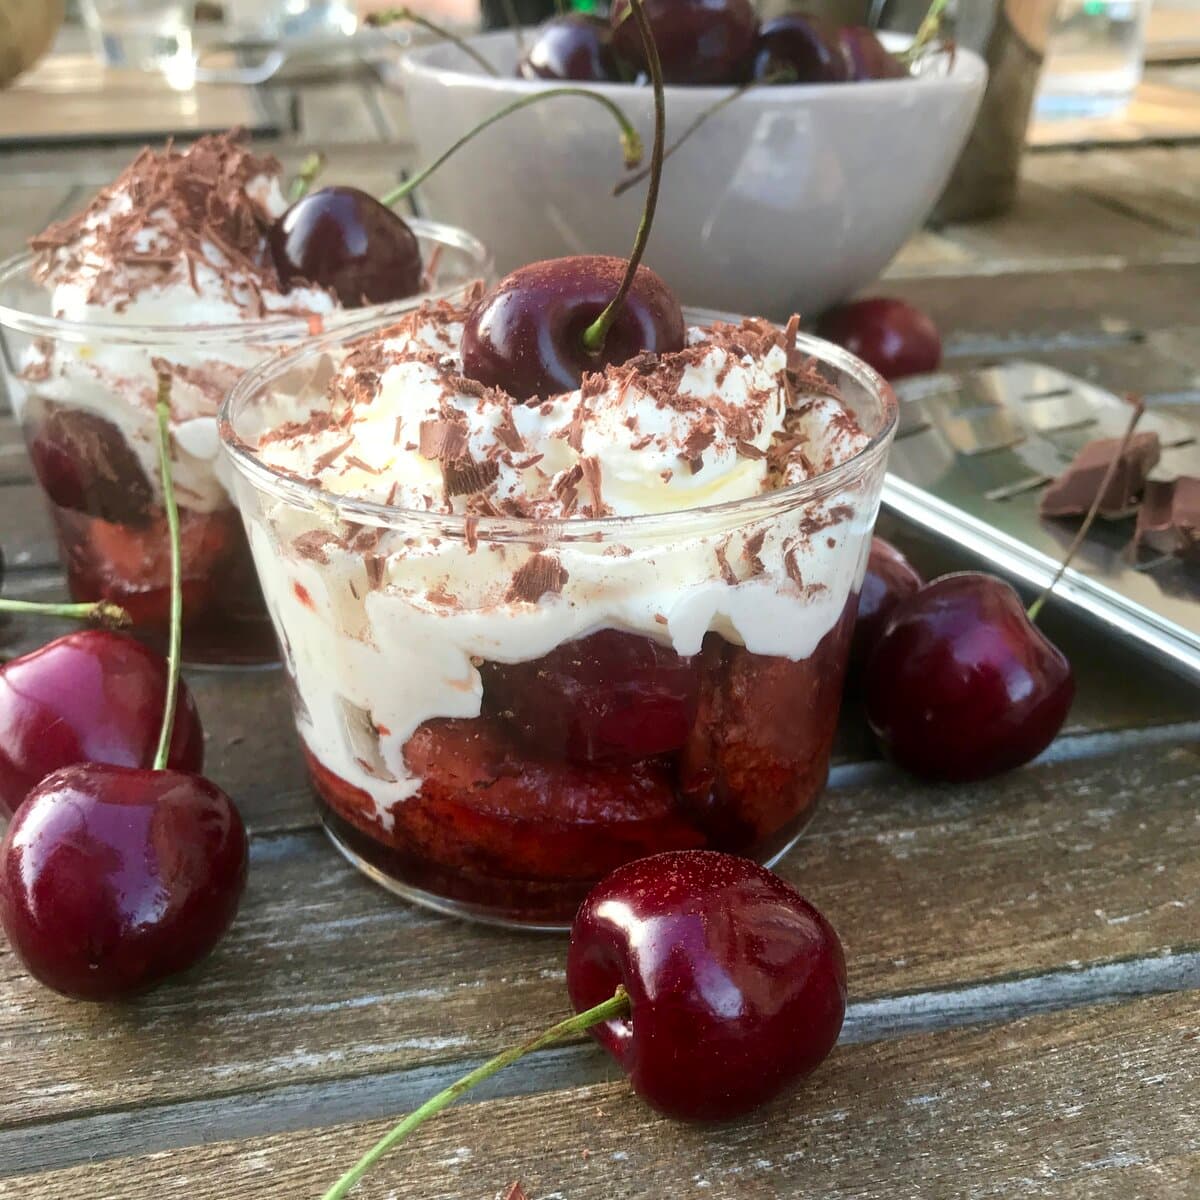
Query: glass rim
x,y
312,497
284,326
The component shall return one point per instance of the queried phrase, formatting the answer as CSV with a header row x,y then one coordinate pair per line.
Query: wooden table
x,y
1023,953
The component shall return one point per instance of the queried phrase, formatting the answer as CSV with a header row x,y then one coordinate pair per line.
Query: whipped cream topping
x,y
720,420
385,628
178,240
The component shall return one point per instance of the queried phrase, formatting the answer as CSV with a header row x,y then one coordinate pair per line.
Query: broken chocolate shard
x,y
1168,521
1074,492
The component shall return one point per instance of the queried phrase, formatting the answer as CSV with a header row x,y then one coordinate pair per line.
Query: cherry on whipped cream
x,y
344,240
526,335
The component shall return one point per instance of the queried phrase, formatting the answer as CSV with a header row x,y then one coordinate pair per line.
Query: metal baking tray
x,y
972,454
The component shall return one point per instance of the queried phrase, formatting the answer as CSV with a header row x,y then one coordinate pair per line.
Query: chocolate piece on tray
x,y
1074,491
1169,518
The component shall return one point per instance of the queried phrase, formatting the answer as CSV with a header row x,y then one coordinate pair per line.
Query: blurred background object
x,y
288,18
1011,35
140,33
1094,59
27,31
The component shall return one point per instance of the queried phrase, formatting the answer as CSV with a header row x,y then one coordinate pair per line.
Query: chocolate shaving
x,y
443,441
314,545
471,533
591,477
539,574
749,450
168,212
751,551
353,460
330,456
374,564
466,477
1168,521
507,432
791,564
727,572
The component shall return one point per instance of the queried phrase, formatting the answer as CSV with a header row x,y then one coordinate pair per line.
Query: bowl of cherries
x,y
807,153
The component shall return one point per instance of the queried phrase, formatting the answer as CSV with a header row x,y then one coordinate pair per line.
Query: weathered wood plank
x,y
1098,1102
327,977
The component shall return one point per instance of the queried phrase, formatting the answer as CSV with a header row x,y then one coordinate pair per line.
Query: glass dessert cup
x,y
496,712
84,394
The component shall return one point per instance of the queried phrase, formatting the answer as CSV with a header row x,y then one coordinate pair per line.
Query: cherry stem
x,y
310,168
389,16
514,23
163,408
595,334
1036,607
926,31
616,1006
111,615
631,142
784,75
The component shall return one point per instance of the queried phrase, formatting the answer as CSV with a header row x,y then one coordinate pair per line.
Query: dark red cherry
x,y
612,697
737,985
807,46
345,240
698,41
867,57
890,335
113,879
84,463
526,335
574,46
92,696
962,685
890,578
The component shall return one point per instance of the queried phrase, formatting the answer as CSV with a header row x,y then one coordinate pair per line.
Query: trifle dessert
x,y
530,641
167,270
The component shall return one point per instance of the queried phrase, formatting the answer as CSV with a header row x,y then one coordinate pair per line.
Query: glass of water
x,y
1094,58
146,34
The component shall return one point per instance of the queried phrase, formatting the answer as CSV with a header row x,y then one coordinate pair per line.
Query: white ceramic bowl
x,y
787,200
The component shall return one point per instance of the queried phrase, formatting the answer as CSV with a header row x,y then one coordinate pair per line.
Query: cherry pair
x,y
122,865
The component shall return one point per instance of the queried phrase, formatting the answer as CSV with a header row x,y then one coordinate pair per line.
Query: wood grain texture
x,y
326,977
1096,1103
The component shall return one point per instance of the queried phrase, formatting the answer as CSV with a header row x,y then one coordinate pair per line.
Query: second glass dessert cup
x,y
496,712
84,394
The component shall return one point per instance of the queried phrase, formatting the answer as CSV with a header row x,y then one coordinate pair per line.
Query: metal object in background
x,y
970,459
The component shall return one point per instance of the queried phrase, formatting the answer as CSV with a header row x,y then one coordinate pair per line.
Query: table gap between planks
x,y
1024,954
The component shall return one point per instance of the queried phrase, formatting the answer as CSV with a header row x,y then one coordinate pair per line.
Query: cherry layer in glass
x,y
530,642
168,270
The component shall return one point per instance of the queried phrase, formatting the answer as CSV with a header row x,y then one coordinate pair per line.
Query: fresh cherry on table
x,y
890,335
805,45
573,46
526,334
611,697
92,696
712,982
890,578
737,985
343,239
867,57
113,878
698,41
961,684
